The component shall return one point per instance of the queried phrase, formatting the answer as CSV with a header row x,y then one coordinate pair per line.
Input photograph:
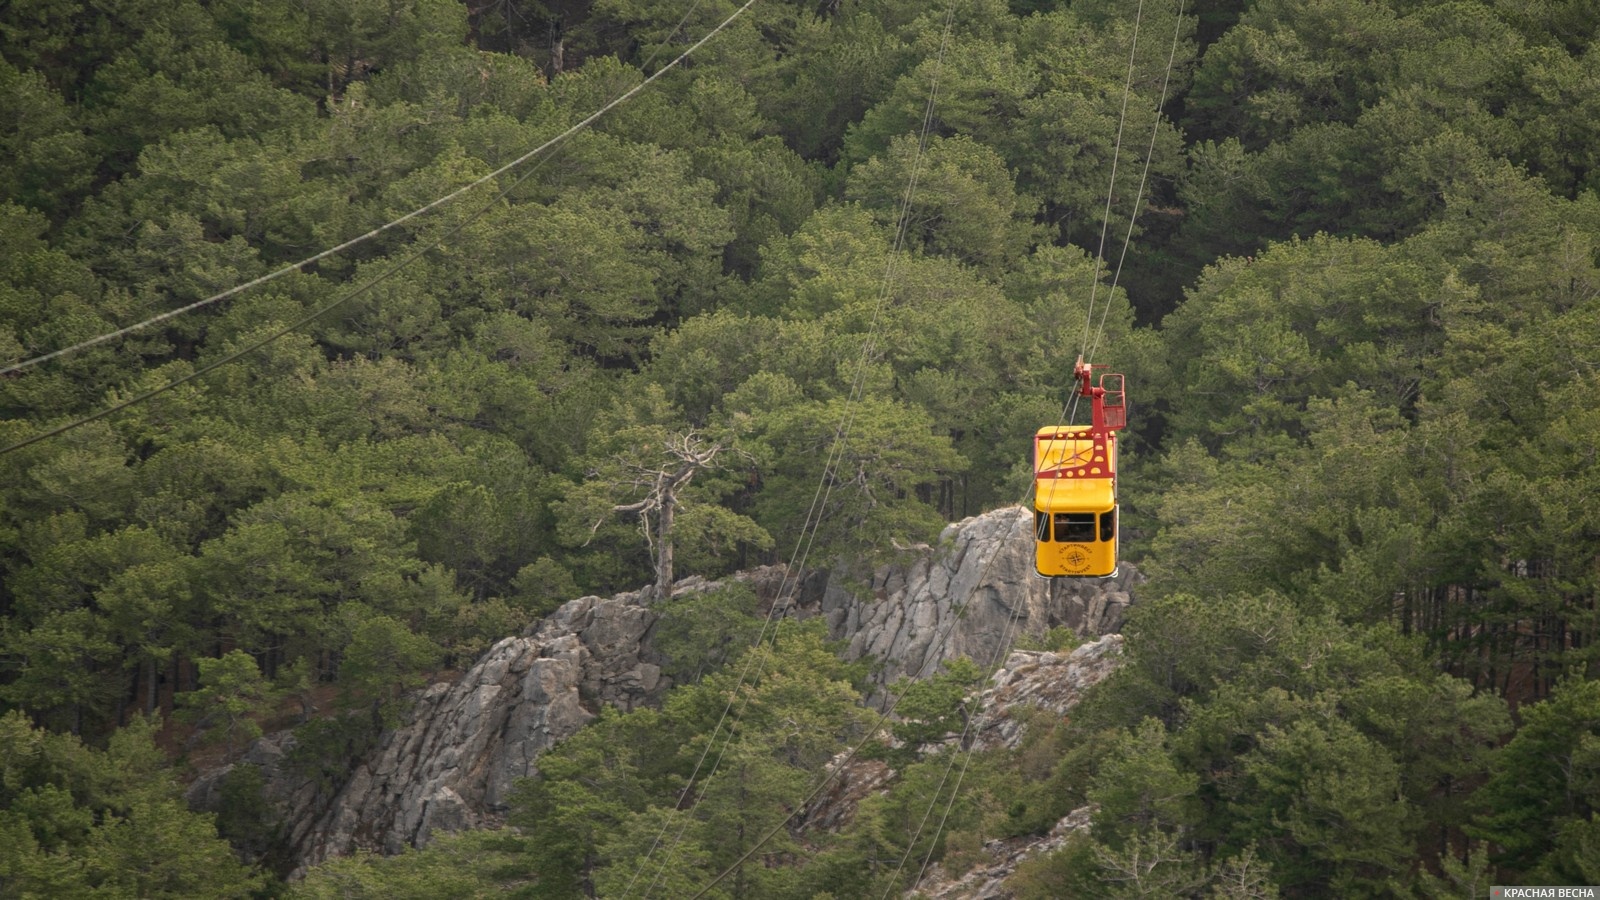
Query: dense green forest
x,y
1359,315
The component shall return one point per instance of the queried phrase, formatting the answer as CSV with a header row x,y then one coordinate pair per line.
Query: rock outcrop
x,y
987,881
1041,682
451,765
1051,683
1047,683
850,783
972,596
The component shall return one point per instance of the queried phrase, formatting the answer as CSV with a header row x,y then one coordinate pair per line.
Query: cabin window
x,y
1072,528
1041,526
1108,526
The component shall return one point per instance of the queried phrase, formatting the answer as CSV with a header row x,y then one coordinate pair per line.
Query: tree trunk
x,y
174,670
669,503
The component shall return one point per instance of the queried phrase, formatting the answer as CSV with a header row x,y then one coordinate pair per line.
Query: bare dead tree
x,y
661,482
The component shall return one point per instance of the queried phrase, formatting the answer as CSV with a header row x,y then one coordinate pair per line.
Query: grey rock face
x,y
1050,682
851,783
972,596
987,881
452,764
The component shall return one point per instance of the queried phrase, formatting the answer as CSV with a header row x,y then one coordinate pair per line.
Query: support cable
x,y
1116,154
387,273
958,610
581,125
293,326
842,431
1138,198
1099,333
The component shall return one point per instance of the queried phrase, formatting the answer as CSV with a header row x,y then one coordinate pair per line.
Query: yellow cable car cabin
x,y
1075,486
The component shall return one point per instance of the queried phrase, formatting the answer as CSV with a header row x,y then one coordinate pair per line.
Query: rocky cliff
x,y
973,596
1030,682
451,764
1049,682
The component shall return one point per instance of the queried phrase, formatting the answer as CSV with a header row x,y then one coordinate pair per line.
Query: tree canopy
x,y
814,287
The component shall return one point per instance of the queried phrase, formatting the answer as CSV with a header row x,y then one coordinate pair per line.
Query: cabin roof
x,y
1074,494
